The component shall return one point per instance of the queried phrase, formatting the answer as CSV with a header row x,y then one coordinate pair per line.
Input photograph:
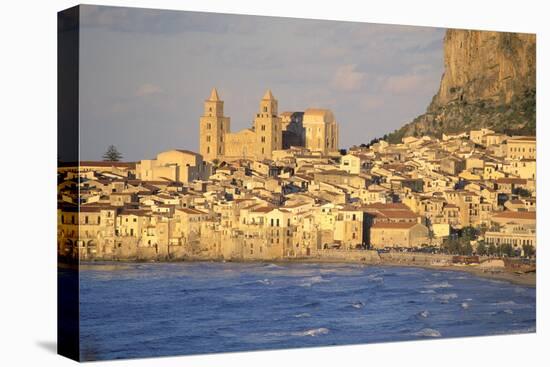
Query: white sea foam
x,y
429,291
465,305
303,314
314,280
445,298
439,285
358,304
312,332
264,281
375,278
424,314
508,311
272,266
432,333
505,303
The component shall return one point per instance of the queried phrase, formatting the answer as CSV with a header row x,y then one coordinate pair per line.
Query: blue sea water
x,y
133,310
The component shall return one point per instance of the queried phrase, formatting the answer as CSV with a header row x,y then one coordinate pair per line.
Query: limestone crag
x,y
489,81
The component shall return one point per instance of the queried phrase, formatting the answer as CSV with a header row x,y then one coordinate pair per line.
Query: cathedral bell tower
x,y
268,127
213,127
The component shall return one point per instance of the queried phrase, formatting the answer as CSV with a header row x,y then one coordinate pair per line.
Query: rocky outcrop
x,y
489,81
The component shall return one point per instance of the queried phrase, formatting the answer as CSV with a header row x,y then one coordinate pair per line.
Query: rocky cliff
x,y
489,81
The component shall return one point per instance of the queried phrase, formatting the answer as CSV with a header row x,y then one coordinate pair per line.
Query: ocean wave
x,y
507,311
375,278
311,332
423,314
465,305
303,314
505,303
445,298
314,280
530,329
439,285
432,333
429,291
312,304
273,266
264,281
358,304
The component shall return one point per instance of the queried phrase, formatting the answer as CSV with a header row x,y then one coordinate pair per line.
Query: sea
x,y
136,310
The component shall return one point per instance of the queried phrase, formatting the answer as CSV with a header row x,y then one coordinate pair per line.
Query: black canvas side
x,y
68,326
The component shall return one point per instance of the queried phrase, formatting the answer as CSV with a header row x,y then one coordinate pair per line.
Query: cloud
x,y
373,77
347,78
148,89
401,84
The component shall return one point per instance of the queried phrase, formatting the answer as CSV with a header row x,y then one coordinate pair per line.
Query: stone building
x,y
315,129
174,165
522,147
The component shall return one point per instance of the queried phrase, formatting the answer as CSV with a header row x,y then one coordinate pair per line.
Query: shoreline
x,y
499,274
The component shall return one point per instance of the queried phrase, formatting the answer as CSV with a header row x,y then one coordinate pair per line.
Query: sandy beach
x,y
497,273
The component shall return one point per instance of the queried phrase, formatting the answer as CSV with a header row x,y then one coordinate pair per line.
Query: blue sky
x,y
144,74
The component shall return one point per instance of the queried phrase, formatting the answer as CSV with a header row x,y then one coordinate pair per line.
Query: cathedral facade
x,y
315,129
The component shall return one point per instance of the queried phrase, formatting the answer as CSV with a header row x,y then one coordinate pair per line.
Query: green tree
x,y
469,233
431,236
492,249
481,248
528,250
466,248
112,154
506,250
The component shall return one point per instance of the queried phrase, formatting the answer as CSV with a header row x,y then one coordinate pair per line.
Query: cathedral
x,y
315,129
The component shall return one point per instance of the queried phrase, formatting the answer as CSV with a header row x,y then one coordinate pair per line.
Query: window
x,y
208,138
86,219
265,108
209,126
263,139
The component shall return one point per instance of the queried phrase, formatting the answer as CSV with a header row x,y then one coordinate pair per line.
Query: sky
x,y
144,74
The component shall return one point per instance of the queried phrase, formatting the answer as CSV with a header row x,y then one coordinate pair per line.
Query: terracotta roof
x,y
190,211
101,164
265,209
523,138
398,213
388,206
516,215
511,181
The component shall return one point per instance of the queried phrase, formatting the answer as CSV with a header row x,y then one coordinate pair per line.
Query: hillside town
x,y
283,189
